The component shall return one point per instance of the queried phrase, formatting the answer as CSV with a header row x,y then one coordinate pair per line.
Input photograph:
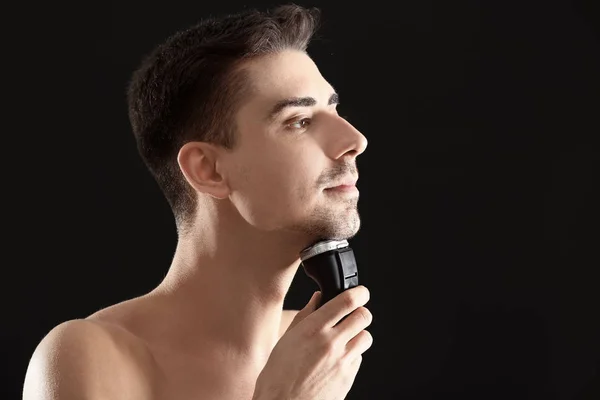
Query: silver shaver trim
x,y
322,247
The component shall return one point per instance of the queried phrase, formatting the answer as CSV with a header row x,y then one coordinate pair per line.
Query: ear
x,y
199,163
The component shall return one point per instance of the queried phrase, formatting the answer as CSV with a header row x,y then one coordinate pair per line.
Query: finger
x,y
357,361
307,310
330,313
352,325
358,345
354,365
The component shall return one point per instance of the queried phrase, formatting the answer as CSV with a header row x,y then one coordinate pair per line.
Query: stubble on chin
x,y
329,224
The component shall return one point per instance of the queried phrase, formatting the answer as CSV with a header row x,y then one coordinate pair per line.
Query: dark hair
x,y
189,87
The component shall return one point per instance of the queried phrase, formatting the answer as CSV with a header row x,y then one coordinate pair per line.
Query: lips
x,y
346,183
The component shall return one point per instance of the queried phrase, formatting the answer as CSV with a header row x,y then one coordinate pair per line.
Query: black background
x,y
479,240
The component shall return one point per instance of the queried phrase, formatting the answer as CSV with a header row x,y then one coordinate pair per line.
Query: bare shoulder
x,y
85,359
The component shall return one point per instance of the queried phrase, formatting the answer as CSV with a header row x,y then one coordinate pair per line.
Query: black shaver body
x,y
331,264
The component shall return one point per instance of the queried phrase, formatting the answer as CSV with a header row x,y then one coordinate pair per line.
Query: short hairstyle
x,y
190,86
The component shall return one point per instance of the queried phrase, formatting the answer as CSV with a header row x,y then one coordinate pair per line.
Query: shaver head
x,y
321,247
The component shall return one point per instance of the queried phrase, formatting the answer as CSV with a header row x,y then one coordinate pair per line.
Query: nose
x,y
348,141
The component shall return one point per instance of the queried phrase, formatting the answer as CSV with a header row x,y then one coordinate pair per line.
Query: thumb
x,y
307,310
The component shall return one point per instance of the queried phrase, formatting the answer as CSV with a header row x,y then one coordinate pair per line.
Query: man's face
x,y
288,158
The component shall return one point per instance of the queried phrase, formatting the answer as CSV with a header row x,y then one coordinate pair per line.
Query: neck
x,y
227,284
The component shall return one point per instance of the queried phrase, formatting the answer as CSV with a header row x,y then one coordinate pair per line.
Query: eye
x,y
300,124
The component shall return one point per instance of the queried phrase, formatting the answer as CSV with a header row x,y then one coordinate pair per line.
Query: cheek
x,y
271,191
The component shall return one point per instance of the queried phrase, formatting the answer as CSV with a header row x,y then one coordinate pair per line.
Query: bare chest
x,y
177,378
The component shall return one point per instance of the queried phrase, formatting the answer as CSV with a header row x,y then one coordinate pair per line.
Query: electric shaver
x,y
331,264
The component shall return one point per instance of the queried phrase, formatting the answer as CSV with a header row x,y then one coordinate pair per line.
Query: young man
x,y
241,132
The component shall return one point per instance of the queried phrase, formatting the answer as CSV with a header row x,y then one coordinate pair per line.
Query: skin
x,y
207,330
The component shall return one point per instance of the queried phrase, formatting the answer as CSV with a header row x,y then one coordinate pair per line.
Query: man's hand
x,y
319,355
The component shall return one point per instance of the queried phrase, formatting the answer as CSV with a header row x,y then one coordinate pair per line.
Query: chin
x,y
348,234
339,229
325,224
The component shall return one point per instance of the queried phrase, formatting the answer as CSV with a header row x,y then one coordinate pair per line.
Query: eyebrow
x,y
298,102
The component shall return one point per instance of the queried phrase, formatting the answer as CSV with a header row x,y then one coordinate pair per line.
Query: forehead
x,y
286,74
